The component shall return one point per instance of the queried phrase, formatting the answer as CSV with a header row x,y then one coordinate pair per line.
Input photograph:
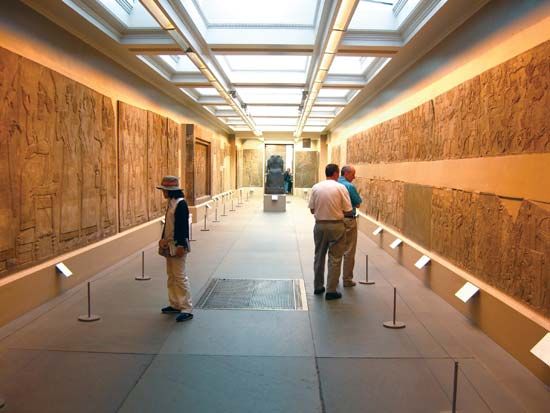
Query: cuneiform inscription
x,y
57,164
503,111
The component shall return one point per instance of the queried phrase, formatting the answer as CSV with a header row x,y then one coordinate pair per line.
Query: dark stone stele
x,y
274,181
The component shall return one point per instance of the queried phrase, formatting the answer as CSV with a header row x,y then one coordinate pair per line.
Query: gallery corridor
x,y
333,357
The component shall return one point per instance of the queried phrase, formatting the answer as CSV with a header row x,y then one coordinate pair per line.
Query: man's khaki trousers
x,y
329,237
179,290
351,247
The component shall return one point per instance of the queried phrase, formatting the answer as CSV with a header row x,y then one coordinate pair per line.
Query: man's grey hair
x,y
345,169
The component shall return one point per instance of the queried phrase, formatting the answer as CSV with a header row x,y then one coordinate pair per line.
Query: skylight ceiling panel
x,y
276,121
350,65
270,95
265,68
257,12
274,110
317,122
314,128
134,17
334,93
373,16
278,128
207,91
179,63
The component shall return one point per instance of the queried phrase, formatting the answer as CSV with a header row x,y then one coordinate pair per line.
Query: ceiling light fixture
x,y
158,14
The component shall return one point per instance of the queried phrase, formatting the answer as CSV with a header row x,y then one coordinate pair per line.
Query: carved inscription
x,y
503,111
252,167
57,164
307,165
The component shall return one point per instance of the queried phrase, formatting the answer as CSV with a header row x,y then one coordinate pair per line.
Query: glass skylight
x,y
274,111
264,68
179,63
350,65
270,95
276,121
207,91
373,15
130,13
333,93
258,12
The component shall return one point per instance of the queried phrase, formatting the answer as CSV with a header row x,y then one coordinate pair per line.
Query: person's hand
x,y
180,251
163,243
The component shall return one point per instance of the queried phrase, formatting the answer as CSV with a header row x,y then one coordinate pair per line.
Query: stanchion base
x,y
216,220
205,230
192,240
223,215
88,318
144,278
367,282
391,324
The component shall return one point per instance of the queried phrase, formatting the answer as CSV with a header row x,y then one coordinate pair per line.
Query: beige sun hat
x,y
170,183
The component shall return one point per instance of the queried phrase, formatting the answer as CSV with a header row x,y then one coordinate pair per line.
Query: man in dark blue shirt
x,y
346,179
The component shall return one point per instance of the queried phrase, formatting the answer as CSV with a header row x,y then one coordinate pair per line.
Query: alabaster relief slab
x,y
335,155
252,167
202,170
502,111
57,164
157,162
132,165
306,169
505,243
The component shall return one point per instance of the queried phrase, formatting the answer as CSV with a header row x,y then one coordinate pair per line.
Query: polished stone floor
x,y
335,357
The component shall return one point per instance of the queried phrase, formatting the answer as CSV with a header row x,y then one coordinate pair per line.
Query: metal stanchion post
x,y
216,212
224,214
366,282
232,206
191,228
247,192
143,277
89,317
239,198
205,218
393,323
455,386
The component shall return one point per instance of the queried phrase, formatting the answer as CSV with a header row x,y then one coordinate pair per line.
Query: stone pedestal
x,y
274,203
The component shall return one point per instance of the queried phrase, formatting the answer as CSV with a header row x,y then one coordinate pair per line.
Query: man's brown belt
x,y
328,221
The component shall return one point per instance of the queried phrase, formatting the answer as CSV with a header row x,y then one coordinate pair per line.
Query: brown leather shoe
x,y
333,296
350,283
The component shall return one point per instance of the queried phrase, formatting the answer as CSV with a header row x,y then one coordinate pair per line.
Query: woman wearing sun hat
x,y
174,245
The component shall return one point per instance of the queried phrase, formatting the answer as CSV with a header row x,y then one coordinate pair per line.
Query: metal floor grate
x,y
253,294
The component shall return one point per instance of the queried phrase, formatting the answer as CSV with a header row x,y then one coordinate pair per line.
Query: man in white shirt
x,y
329,202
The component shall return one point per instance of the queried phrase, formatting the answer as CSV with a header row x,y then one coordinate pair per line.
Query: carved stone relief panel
x,y
478,233
335,155
307,166
157,159
202,169
132,164
418,213
252,167
173,141
500,112
475,231
57,164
